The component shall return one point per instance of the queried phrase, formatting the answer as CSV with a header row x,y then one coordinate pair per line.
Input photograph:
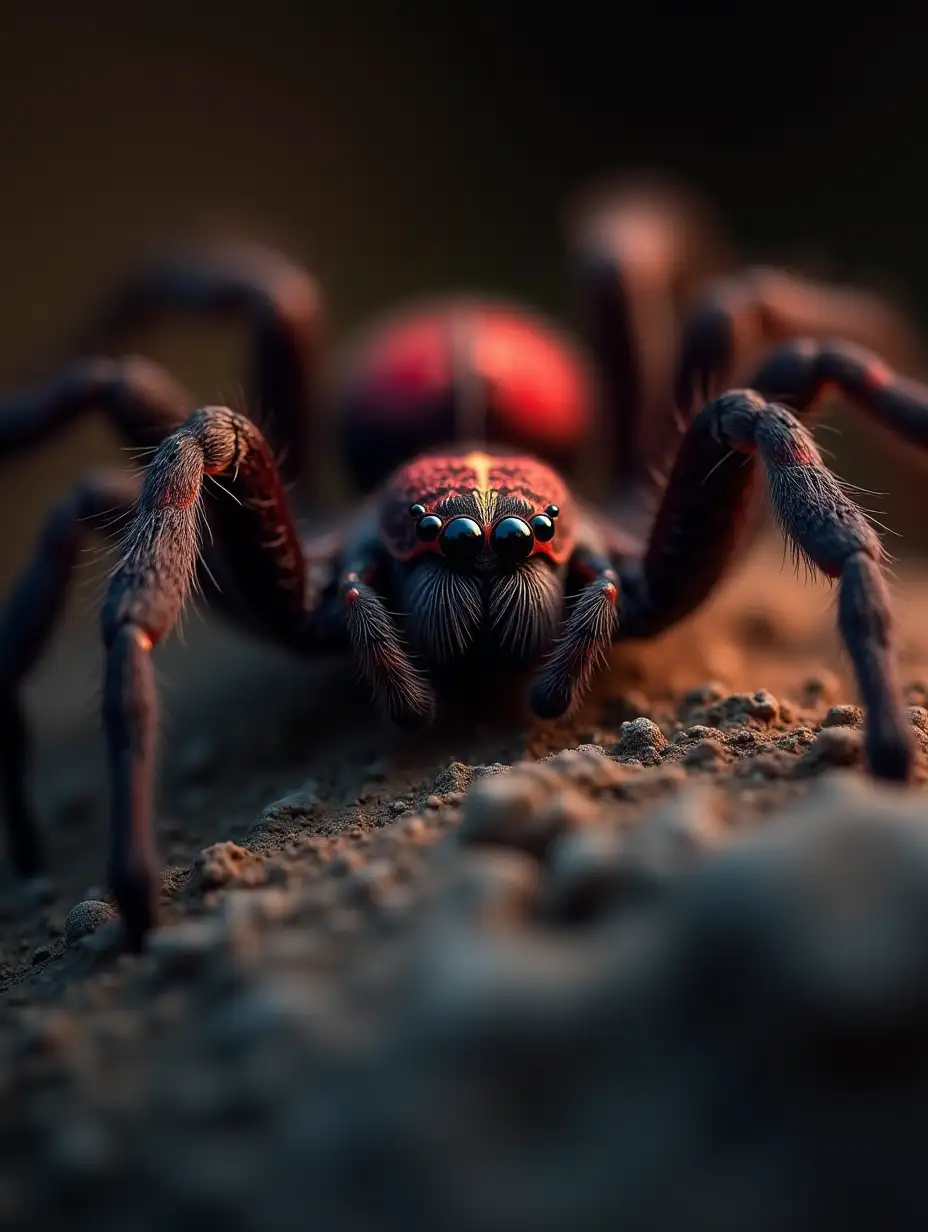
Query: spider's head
x,y
480,542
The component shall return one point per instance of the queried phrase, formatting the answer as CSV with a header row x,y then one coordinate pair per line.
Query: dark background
x,y
400,147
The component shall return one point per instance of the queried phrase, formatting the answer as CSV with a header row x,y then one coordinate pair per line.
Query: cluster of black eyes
x,y
461,539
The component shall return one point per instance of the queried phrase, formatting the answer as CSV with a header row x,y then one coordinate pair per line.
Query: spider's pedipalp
x,y
398,686
589,632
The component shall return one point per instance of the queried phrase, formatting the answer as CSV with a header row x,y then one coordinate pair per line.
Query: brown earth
x,y
677,976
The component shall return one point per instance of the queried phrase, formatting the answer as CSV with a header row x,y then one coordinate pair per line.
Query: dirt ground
x,y
440,984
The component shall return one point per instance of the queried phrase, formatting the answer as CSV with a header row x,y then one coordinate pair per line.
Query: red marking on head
x,y
610,592
352,595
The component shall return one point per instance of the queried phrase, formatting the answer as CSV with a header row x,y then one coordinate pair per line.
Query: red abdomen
x,y
461,371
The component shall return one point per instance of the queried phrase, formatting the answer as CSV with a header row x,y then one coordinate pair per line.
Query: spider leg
x,y
146,594
142,402
259,551
742,316
589,631
25,627
799,373
279,301
638,254
697,526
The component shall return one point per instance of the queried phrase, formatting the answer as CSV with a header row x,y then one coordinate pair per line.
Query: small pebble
x,y
493,887
584,874
704,694
833,746
708,752
843,716
221,863
85,918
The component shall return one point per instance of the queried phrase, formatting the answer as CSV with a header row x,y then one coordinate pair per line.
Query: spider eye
x,y
462,539
428,528
416,510
542,527
552,511
512,540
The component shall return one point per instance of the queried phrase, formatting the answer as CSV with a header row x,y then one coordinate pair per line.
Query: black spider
x,y
489,554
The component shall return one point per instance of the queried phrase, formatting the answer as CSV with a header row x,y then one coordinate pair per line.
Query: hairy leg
x,y
26,625
145,598
696,530
260,552
282,307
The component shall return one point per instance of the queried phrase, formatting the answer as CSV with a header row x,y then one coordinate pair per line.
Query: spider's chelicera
x,y
469,425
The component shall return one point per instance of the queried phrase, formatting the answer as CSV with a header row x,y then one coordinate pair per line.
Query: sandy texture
x,y
664,966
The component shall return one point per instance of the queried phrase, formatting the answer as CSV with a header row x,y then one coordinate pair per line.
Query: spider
x,y
465,423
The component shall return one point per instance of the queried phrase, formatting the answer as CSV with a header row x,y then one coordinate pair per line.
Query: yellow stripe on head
x,y
485,497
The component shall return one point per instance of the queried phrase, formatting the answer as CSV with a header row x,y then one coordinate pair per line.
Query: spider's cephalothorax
x,y
479,543
478,554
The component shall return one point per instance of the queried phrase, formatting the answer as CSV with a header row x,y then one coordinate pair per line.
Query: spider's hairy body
x,y
480,542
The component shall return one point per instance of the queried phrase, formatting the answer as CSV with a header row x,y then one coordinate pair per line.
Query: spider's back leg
x,y
282,307
639,251
26,624
740,318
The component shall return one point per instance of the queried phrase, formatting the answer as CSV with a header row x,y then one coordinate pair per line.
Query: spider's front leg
x,y
261,557
145,598
144,405
696,530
